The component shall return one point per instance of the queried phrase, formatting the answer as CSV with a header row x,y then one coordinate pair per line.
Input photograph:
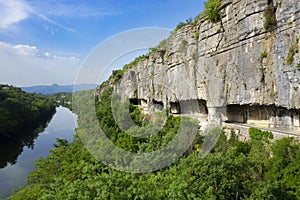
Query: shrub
x,y
163,44
270,17
263,54
187,21
257,134
292,51
196,20
117,75
196,35
212,10
180,25
134,63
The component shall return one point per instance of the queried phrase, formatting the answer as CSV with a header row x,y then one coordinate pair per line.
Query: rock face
x,y
233,70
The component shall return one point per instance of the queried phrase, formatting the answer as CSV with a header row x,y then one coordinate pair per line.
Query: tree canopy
x,y
255,169
20,110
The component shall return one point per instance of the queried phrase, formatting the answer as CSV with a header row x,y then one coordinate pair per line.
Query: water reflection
x,y
30,148
12,148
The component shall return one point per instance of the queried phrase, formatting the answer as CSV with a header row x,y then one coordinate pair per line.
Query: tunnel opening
x,y
248,113
235,114
189,107
144,103
174,107
135,101
203,107
159,105
263,115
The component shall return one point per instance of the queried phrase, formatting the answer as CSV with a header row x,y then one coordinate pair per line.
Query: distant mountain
x,y
55,88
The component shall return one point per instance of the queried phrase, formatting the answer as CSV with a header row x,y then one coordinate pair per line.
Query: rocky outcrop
x,y
207,68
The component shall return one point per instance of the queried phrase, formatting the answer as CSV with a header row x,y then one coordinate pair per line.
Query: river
x,y
20,164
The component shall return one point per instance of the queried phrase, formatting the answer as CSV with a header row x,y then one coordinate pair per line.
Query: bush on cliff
x,y
212,10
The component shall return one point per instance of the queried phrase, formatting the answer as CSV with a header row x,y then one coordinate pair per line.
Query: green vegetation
x,y
292,52
212,10
295,88
152,74
263,55
188,21
182,24
257,134
196,35
262,68
183,46
254,169
270,17
135,62
196,20
63,99
163,44
274,94
263,75
111,126
20,110
117,75
195,56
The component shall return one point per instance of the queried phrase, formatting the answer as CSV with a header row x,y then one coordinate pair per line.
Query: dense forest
x,y
20,111
259,168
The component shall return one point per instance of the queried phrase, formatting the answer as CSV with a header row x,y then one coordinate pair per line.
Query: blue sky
x,y
44,42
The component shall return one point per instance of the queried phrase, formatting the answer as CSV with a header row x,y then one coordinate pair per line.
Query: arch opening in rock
x,y
158,105
203,107
174,108
263,115
135,101
189,107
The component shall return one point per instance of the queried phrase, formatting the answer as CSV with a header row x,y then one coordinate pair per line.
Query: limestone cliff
x,y
232,70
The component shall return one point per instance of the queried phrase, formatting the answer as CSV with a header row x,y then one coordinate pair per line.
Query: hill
x,y
20,111
55,88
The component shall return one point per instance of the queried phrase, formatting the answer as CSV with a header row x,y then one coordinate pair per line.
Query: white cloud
x,y
23,65
44,17
13,11
26,49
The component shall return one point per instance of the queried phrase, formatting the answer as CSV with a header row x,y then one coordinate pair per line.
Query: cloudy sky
x,y
45,42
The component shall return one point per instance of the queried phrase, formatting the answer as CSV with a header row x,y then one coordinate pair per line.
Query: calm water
x,y
13,176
